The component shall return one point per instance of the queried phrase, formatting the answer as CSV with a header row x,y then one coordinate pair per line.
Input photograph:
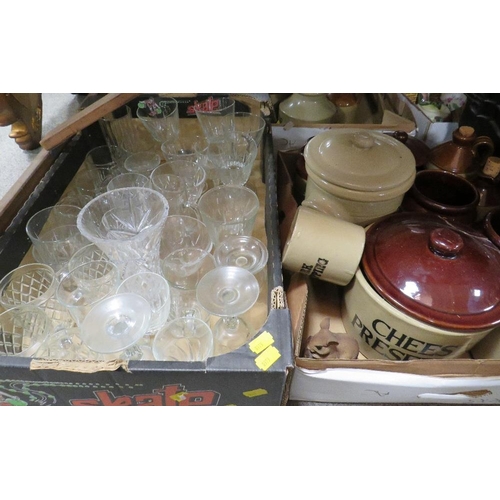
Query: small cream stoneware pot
x,y
357,175
323,246
383,332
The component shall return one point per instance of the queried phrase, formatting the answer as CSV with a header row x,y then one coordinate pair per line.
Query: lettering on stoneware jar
x,y
316,270
397,346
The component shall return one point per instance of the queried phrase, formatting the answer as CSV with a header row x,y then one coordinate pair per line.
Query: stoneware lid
x,y
360,160
440,273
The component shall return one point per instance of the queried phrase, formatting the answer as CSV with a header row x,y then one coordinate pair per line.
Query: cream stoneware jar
x,y
425,289
304,109
357,175
324,247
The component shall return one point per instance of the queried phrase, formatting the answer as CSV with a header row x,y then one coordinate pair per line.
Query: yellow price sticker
x,y
262,342
255,393
180,396
267,359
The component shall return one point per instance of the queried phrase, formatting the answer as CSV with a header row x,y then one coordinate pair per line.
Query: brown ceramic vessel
x,y
425,288
464,155
443,193
420,150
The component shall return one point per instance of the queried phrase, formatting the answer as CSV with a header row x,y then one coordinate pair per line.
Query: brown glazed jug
x,y
464,155
487,184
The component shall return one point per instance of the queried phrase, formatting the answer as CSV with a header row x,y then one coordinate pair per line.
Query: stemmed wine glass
x,y
229,292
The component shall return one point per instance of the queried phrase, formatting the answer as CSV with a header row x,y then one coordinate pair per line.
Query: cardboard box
x,y
256,374
362,381
397,116
432,133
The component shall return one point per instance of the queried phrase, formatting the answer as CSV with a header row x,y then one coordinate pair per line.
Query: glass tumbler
x,y
23,329
35,285
250,124
160,115
121,129
54,235
216,118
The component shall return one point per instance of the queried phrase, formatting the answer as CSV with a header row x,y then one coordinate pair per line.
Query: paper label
x,y
267,359
262,342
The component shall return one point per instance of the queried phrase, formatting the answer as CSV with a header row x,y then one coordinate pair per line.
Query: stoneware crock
x,y
443,193
425,289
304,109
357,175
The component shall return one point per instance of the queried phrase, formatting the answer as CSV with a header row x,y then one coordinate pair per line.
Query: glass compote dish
x,y
229,292
116,323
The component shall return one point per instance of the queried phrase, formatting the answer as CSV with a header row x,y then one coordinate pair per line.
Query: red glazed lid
x,y
436,272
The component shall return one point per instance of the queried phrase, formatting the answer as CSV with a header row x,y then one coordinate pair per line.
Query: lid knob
x,y
363,140
445,242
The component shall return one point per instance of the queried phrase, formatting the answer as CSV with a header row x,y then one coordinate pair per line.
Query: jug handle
x,y
483,147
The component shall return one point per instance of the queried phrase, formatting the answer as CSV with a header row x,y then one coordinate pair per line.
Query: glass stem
x,y
231,323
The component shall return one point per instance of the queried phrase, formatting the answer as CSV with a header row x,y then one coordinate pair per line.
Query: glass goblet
x,y
229,292
194,176
231,162
183,269
183,231
184,147
65,344
128,179
83,287
171,186
143,163
88,253
228,210
156,290
184,339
